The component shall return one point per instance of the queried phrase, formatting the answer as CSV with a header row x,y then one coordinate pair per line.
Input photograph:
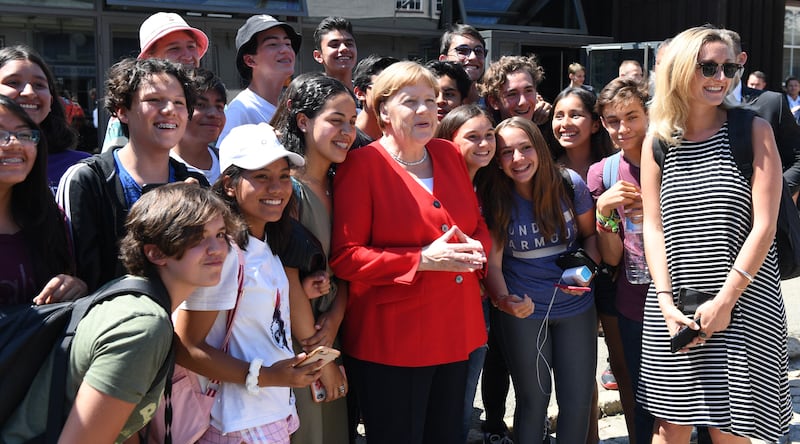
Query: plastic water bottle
x,y
635,264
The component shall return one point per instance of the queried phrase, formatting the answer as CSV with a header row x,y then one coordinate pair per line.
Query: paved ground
x,y
612,427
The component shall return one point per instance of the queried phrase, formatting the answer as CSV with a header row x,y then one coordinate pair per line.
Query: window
x,y
791,41
409,5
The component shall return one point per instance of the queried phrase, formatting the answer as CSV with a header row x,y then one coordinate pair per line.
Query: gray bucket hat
x,y
253,26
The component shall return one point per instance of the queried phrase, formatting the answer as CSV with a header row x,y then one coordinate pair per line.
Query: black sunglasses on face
x,y
710,69
463,51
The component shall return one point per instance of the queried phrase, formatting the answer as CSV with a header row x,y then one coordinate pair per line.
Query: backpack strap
x,y
58,384
740,136
611,170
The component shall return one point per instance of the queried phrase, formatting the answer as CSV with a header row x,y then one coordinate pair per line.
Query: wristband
x,y
658,292
604,228
252,376
607,224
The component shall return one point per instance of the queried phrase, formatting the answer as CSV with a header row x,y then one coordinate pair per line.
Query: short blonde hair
x,y
674,77
396,77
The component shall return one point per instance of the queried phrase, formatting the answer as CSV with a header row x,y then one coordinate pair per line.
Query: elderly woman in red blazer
x,y
408,235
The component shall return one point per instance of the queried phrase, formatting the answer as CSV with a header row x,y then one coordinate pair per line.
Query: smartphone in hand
x,y
572,287
320,354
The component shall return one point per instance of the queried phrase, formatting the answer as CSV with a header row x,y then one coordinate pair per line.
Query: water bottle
x,y
635,264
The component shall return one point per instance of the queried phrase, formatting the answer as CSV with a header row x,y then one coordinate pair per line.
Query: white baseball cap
x,y
162,23
252,147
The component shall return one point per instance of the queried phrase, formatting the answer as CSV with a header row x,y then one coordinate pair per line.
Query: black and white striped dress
x,y
737,381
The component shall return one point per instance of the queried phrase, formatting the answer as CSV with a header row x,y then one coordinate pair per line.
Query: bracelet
x,y
608,224
605,228
496,301
614,216
658,292
252,376
745,274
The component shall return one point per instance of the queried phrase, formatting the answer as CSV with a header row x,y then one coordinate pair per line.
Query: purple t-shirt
x,y
17,283
630,297
529,259
57,164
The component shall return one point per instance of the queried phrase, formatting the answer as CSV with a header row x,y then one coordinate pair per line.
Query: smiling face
x,y
25,83
517,97
262,194
208,118
476,141
158,114
518,157
16,158
274,57
449,97
332,131
337,53
711,91
410,114
473,64
573,125
179,47
626,124
201,264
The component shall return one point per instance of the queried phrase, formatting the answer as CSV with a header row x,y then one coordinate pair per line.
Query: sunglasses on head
x,y
710,69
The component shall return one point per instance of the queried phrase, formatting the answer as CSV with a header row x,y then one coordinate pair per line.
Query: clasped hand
x,y
453,251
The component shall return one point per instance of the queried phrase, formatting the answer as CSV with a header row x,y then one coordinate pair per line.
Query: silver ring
x,y
702,335
341,389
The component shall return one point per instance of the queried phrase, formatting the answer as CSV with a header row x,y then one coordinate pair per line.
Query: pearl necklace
x,y
410,164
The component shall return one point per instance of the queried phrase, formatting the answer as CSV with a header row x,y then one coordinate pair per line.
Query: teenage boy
x,y
454,85
164,35
177,241
365,73
509,87
465,45
266,51
335,49
152,98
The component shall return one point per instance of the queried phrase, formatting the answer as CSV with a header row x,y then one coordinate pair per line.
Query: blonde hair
x,y
396,77
674,78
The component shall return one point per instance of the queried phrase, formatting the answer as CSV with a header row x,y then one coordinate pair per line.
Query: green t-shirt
x,y
118,350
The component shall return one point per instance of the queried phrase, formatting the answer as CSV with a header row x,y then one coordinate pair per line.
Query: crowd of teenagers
x,y
423,219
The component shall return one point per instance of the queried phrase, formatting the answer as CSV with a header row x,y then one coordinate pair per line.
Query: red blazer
x,y
382,218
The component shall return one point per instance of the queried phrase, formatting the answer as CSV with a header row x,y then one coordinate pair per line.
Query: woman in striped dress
x,y
708,229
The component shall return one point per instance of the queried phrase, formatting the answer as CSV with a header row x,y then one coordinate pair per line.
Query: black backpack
x,y
787,235
28,334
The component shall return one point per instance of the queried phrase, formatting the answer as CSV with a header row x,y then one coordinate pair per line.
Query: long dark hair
x,y
307,94
55,129
496,190
34,210
278,232
599,142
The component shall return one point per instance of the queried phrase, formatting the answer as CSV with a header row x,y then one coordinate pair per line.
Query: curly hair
x,y
33,208
126,77
307,94
497,73
55,128
172,217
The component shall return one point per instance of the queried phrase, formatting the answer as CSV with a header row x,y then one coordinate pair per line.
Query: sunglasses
x,y
710,69
463,51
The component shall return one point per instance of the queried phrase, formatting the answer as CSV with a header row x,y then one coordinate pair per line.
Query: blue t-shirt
x,y
132,190
529,259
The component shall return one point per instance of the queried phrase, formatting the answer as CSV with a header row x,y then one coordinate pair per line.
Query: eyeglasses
x,y
27,137
710,69
463,51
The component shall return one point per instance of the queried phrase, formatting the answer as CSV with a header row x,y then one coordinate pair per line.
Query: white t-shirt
x,y
246,107
261,330
211,174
